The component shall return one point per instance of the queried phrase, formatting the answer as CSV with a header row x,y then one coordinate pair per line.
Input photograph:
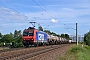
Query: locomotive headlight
x,y
34,41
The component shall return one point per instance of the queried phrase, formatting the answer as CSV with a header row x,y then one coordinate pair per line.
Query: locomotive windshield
x,y
28,34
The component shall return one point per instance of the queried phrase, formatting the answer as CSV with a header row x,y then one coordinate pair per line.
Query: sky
x,y
59,16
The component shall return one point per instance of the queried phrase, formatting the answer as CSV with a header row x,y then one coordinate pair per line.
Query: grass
x,y
77,53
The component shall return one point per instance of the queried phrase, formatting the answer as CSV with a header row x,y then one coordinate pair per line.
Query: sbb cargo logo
x,y
40,36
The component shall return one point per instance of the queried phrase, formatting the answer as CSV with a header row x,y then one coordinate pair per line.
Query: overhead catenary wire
x,y
42,8
55,17
47,9
51,14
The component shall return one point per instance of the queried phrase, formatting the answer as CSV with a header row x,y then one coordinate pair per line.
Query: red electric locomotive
x,y
32,36
29,36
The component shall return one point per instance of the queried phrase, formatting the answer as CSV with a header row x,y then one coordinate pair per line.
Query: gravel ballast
x,y
52,55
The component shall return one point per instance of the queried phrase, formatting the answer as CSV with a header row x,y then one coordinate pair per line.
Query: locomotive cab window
x,y
28,34
25,33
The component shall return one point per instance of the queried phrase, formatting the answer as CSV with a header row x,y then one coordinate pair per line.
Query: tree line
x,y
87,38
14,39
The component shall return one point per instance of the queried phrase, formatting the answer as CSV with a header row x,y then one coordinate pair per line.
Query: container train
x,y
32,36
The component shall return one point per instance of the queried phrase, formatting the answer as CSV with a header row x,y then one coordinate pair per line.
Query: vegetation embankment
x,y
77,53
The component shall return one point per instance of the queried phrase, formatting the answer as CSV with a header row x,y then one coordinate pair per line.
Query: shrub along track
x,y
26,53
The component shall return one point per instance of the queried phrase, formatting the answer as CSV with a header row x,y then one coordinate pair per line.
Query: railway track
x,y
28,53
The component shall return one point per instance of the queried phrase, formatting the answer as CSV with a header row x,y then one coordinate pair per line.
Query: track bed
x,y
30,53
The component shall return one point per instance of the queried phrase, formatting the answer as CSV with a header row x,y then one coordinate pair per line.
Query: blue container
x,y
41,37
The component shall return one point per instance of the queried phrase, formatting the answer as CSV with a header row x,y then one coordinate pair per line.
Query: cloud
x,y
66,12
11,20
8,14
53,20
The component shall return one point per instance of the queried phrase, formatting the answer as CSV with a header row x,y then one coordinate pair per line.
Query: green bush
x,y
87,38
76,49
17,45
1,44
